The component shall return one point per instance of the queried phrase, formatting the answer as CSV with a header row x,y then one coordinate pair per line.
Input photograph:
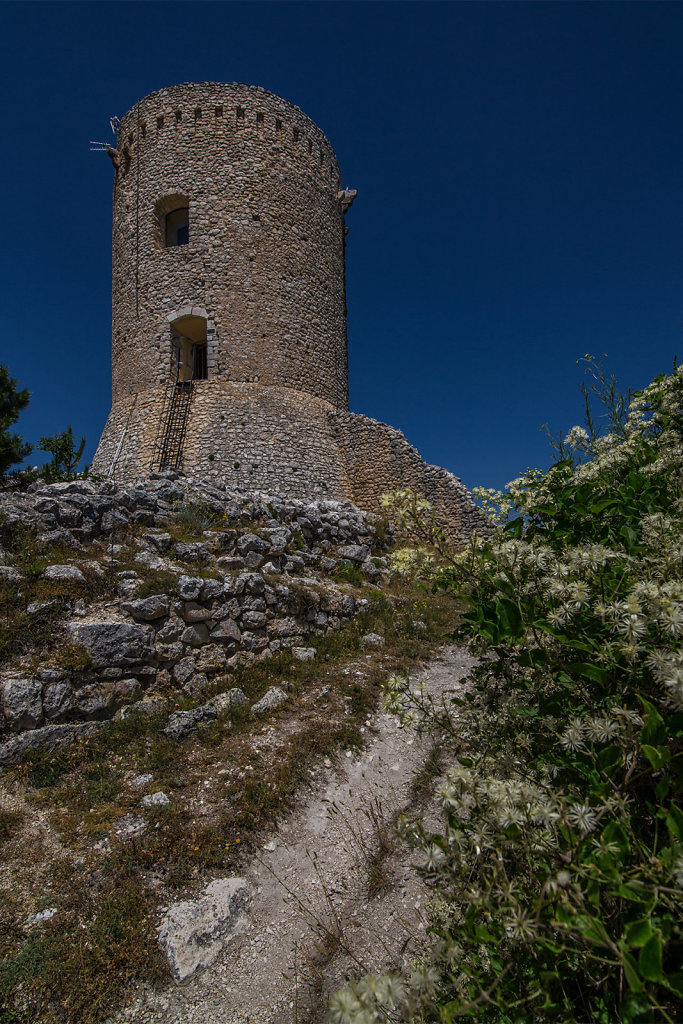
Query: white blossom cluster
x,y
406,506
412,563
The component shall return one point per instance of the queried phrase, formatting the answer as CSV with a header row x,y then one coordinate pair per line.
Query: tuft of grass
x,y
381,533
423,780
10,821
73,657
347,572
192,518
157,581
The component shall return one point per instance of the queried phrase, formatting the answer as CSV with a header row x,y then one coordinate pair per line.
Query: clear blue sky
x,y
519,182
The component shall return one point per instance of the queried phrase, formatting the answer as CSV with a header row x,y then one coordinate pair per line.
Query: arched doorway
x,y
189,348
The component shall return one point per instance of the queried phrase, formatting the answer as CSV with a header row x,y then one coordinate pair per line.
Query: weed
x,y
192,518
45,768
424,779
297,542
379,539
73,657
347,572
9,823
158,581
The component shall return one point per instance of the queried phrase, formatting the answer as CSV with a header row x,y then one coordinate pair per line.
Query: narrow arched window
x,y
177,226
171,221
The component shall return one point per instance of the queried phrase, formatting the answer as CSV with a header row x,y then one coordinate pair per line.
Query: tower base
x,y
280,441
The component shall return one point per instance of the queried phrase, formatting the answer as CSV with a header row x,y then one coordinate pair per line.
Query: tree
x,y
13,448
65,455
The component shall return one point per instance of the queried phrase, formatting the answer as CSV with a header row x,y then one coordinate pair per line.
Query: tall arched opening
x,y
189,349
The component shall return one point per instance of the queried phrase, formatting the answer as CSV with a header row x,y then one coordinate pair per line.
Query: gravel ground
x,y
312,921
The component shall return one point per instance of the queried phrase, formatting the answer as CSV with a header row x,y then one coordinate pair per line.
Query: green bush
x,y
558,873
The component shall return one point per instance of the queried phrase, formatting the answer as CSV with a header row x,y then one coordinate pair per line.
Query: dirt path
x,y
331,897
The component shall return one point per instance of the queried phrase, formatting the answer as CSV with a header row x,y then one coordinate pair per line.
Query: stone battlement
x,y
160,117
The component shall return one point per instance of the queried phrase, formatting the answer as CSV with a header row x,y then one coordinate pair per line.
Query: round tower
x,y
225,202
228,282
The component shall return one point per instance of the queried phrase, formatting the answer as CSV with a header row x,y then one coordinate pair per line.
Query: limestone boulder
x,y
22,703
113,643
358,553
227,631
194,932
271,699
182,723
148,609
67,573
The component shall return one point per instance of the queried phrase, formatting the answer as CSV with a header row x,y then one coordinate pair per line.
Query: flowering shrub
x,y
558,872
412,563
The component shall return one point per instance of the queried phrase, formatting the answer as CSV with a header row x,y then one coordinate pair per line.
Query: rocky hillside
x,y
178,666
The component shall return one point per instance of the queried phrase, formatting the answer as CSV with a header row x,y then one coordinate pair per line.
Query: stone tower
x,y
229,347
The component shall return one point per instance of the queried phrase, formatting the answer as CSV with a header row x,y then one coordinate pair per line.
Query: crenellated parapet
x,y
248,113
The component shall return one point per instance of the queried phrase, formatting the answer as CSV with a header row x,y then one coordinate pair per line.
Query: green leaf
x,y
675,982
610,757
654,730
657,756
629,535
639,932
583,668
674,822
650,959
631,972
633,892
600,506
615,834
563,914
509,616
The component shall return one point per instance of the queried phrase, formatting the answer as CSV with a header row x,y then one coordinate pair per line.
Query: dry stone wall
x,y
258,581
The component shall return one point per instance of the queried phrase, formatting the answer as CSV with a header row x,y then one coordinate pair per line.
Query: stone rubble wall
x,y
256,584
242,435
284,441
378,458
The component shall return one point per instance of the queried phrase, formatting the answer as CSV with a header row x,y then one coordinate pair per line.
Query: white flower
x,y
577,438
601,728
520,926
582,816
573,736
632,626
435,857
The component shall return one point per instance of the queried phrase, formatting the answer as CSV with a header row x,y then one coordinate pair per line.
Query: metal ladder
x,y
168,447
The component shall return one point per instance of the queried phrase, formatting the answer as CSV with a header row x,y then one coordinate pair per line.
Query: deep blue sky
x,y
519,176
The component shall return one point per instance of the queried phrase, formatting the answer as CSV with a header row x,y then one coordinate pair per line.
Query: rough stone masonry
x,y
229,293
259,581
